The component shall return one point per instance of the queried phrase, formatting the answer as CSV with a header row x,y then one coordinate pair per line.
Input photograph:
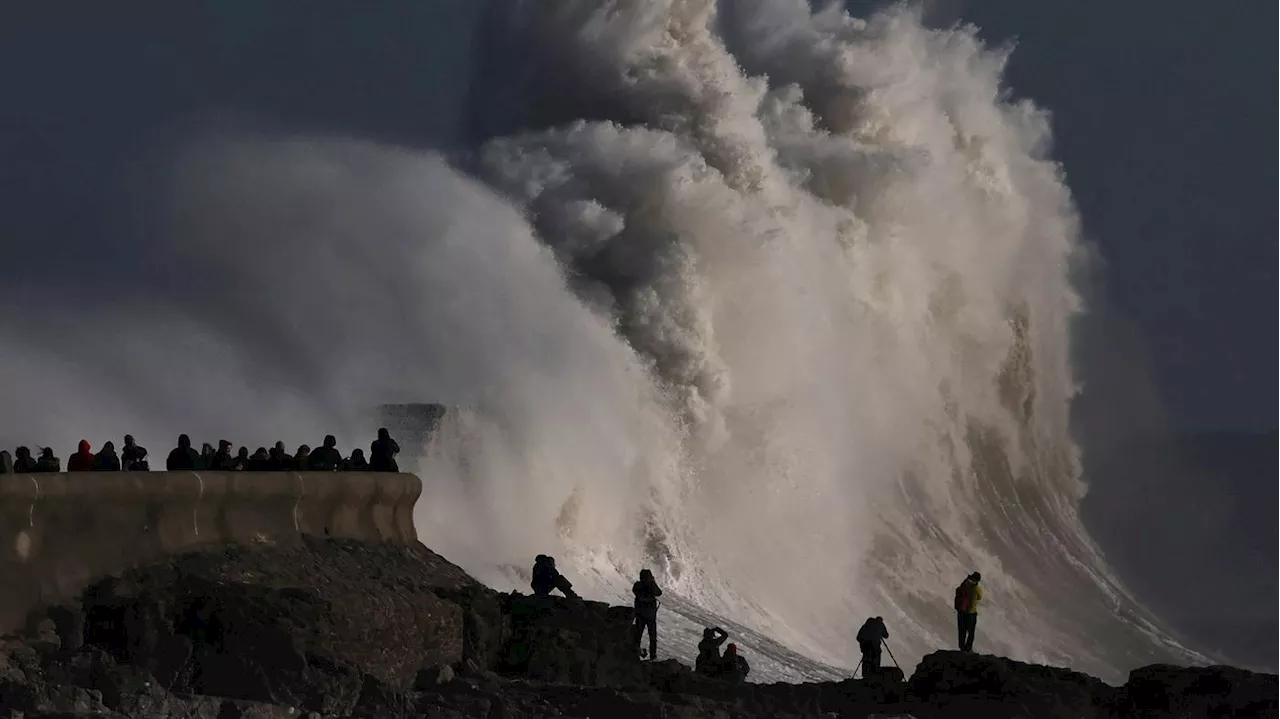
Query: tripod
x,y
885,644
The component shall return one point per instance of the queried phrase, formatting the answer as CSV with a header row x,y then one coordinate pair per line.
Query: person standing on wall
x,y
968,597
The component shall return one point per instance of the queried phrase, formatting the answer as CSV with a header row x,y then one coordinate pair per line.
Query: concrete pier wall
x,y
61,531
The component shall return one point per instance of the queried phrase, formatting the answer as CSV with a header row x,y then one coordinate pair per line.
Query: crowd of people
x,y
134,458
871,638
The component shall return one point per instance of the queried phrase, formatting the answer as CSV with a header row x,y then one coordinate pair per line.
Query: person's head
x,y
383,433
206,448
243,452
279,447
108,446
646,575
224,445
260,452
303,450
731,650
357,453
23,453
976,577
84,446
128,440
708,633
184,442
46,453
330,441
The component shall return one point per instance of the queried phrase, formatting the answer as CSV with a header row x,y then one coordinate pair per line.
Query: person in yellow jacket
x,y
968,597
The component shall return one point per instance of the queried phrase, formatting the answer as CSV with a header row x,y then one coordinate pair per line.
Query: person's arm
x,y
721,635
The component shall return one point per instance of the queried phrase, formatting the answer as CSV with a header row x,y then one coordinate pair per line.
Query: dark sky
x,y
1163,115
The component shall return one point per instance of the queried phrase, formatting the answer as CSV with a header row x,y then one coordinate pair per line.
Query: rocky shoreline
x,y
340,628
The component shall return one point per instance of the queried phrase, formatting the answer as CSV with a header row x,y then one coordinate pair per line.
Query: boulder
x,y
1163,690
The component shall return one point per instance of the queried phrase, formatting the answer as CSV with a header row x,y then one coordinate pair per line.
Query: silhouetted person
x,y
206,457
546,577
106,460
183,457
356,462
221,460
6,462
260,461
302,460
709,660
23,462
281,461
326,458
82,460
240,462
382,453
968,596
133,458
48,462
646,593
870,638
733,666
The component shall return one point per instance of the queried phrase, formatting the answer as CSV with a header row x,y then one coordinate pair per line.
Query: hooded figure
x,y
968,596
870,638
23,462
6,462
733,666
82,460
133,458
107,460
241,461
546,577
326,458
356,463
48,462
382,453
646,592
183,457
302,460
260,461
206,457
709,659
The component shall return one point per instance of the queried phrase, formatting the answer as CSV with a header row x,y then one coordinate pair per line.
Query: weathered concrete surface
x,y
61,531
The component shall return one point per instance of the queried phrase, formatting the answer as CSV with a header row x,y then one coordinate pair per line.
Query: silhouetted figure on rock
x,y
48,462
646,592
546,577
133,458
326,458
107,460
733,666
241,461
260,461
870,638
223,460
82,460
302,460
709,659
281,461
968,597
382,453
183,457
356,462
23,462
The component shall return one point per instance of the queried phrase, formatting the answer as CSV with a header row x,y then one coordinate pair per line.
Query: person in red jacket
x,y
81,461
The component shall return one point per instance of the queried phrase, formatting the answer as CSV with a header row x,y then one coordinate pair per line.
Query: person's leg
x,y
873,661
960,624
652,624
973,628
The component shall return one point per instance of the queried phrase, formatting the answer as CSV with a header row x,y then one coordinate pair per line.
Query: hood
x,y
84,446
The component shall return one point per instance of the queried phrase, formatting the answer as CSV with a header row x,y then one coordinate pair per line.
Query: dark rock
x,y
1164,690
962,681
433,676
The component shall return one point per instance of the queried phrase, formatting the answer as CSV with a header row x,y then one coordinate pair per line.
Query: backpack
x,y
964,596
